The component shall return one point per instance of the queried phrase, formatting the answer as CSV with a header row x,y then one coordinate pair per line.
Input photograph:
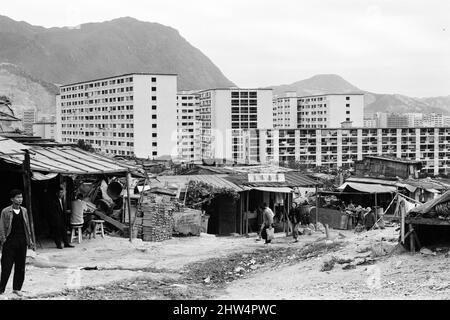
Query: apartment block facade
x,y
29,116
330,110
189,126
340,147
225,112
130,114
285,111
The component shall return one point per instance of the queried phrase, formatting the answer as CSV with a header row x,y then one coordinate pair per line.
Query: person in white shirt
x,y
77,210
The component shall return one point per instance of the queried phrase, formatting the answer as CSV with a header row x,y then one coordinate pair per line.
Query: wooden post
x,y
129,205
246,213
27,192
317,206
402,222
411,239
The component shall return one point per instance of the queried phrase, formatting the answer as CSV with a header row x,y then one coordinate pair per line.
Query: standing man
x,y
294,218
58,219
15,237
267,222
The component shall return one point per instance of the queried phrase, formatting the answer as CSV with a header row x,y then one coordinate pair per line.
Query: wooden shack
x,y
387,167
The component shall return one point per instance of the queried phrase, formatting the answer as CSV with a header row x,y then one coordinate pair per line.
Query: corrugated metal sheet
x,y
217,181
65,160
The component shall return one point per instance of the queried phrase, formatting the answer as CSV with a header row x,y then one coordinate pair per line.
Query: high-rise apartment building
x,y
340,147
130,114
396,120
330,110
189,126
225,112
28,118
285,111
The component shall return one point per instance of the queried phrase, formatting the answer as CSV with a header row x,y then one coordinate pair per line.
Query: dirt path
x,y
347,266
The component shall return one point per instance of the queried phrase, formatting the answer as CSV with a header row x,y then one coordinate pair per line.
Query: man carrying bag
x,y
267,231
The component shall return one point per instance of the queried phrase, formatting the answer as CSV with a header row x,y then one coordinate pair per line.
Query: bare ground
x,y
346,266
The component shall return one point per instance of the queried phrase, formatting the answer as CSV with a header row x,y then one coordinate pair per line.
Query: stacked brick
x,y
154,220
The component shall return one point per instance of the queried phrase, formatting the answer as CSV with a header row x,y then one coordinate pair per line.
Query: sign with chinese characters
x,y
266,177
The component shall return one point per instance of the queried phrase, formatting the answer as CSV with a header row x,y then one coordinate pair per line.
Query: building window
x,y
153,98
347,105
153,116
347,112
154,153
153,107
347,98
153,88
154,135
347,119
153,79
154,125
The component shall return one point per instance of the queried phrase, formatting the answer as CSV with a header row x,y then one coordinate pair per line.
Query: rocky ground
x,y
347,265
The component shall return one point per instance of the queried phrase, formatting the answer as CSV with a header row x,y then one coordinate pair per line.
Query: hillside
x,y
95,50
374,102
25,91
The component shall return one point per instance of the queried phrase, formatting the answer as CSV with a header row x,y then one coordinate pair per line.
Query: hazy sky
x,y
384,46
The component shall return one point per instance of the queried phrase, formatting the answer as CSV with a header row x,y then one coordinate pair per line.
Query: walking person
x,y
294,218
15,237
57,220
267,222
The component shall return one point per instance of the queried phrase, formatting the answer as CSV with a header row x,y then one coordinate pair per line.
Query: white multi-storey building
x,y
285,111
330,110
28,118
225,112
130,114
340,147
45,130
189,126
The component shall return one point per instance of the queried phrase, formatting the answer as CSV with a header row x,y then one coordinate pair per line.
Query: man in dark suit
x,y
57,218
15,237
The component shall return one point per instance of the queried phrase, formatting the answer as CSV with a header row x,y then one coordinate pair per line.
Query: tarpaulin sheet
x,y
366,188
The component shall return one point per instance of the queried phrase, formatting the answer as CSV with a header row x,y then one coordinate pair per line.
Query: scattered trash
x,y
398,263
349,267
426,251
328,241
253,267
90,268
253,261
207,280
328,265
341,236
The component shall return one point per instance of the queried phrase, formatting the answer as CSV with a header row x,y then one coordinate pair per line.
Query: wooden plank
x,y
115,223
428,221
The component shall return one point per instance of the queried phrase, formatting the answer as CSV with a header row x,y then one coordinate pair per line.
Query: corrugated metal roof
x,y
217,181
64,160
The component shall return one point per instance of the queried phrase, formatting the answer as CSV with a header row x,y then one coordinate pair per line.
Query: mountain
x,y
96,50
374,102
26,91
317,84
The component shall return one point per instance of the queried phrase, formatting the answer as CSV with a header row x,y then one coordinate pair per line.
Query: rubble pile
x,y
225,270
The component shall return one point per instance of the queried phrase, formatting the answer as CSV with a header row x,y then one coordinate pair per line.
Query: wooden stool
x,y
101,231
78,229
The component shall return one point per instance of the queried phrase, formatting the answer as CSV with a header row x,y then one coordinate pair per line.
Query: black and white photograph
x,y
241,154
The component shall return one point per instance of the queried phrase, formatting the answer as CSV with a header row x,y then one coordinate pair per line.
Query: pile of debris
x,y
224,270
